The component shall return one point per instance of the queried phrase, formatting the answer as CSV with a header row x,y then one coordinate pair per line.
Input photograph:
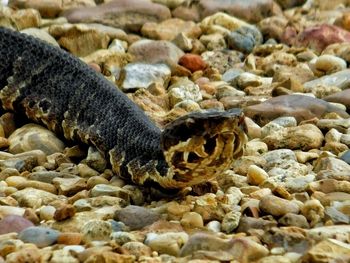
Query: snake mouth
x,y
200,146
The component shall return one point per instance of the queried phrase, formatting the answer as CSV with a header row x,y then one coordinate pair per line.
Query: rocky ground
x,y
286,200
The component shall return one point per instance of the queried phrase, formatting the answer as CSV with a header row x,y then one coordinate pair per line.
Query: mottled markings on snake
x,y
52,87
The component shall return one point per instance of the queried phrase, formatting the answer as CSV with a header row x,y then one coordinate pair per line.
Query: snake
x,y
52,87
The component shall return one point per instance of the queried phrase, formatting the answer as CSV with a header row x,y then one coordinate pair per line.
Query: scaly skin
x,y
52,87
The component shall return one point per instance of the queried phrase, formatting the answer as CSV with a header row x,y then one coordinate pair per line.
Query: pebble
x,y
137,249
142,75
214,226
256,175
301,107
192,220
277,206
244,39
130,216
192,62
14,223
167,243
122,237
283,62
64,212
314,211
231,221
96,230
34,137
303,137
337,250
291,219
330,64
40,236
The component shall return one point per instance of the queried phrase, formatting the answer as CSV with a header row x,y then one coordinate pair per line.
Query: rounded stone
x,y
330,64
167,243
256,175
277,206
192,220
70,238
34,137
244,39
14,223
40,236
192,62
214,226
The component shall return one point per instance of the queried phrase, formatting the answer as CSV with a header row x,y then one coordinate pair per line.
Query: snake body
x,y
50,86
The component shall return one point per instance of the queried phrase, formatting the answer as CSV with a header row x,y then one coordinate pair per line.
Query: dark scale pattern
x,y
59,84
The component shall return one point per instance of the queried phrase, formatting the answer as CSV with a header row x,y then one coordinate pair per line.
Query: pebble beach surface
x,y
286,200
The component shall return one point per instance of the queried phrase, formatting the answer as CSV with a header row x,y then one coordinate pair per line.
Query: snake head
x,y
201,145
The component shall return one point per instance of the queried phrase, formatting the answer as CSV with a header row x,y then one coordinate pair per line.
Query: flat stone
x,y
169,29
339,79
338,232
155,51
131,214
49,8
304,137
277,206
252,11
299,106
84,39
123,14
34,198
207,246
24,255
342,97
320,36
291,219
41,34
329,250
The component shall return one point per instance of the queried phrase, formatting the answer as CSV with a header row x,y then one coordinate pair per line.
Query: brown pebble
x,y
69,238
64,212
30,214
192,62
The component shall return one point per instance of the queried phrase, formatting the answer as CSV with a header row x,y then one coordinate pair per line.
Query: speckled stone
x,y
96,230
